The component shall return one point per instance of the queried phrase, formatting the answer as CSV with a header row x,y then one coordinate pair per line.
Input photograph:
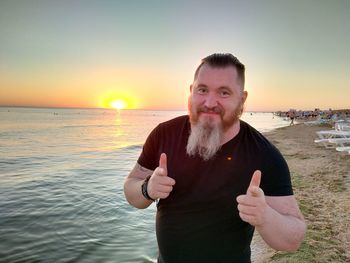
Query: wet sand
x,y
321,181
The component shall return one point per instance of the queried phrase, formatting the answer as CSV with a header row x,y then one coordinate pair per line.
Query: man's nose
x,y
211,101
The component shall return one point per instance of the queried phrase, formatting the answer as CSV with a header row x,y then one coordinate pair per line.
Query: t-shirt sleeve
x,y
275,179
148,156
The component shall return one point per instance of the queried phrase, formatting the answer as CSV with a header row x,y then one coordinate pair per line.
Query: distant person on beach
x,y
291,116
214,177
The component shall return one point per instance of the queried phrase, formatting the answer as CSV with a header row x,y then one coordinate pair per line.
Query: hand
x,y
252,206
160,184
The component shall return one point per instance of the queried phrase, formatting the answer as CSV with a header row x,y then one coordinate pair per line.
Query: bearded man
x,y
215,178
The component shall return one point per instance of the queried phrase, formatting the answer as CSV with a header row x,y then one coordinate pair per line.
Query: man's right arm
x,y
132,187
159,186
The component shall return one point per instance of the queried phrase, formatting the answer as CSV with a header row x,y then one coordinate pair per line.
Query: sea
x,y
61,183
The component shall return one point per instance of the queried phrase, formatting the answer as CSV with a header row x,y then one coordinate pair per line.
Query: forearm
x,y
133,193
282,232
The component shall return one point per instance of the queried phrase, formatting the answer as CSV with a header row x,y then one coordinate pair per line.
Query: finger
x,y
255,191
162,179
247,210
247,200
247,218
256,179
240,199
163,195
170,181
165,188
163,161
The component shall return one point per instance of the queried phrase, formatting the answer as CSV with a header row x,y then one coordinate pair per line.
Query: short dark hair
x,y
222,60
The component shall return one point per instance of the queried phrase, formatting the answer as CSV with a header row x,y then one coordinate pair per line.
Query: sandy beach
x,y
321,180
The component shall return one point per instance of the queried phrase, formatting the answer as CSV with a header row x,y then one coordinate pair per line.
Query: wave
x,y
132,147
90,126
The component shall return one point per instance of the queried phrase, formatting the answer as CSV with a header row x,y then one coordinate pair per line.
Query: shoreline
x,y
321,183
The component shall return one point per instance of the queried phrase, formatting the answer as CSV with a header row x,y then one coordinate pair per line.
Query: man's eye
x,y
225,93
201,91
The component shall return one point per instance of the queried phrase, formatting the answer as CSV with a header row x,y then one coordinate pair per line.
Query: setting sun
x,y
118,100
118,104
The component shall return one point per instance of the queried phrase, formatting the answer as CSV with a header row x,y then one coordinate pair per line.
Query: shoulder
x,y
169,130
255,138
175,122
167,135
260,145
174,126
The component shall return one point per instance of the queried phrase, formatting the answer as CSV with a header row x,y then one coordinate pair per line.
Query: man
x,y
291,115
215,177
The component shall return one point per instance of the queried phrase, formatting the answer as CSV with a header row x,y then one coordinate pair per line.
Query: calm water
x,y
61,184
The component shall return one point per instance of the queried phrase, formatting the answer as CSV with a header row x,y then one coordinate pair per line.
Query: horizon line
x,y
98,108
145,109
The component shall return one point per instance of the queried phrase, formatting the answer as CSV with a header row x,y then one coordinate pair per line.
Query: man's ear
x,y
191,88
244,96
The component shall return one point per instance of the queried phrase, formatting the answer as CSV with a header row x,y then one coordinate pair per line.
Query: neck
x,y
231,132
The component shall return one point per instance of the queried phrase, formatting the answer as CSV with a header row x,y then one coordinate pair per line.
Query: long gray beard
x,y
204,140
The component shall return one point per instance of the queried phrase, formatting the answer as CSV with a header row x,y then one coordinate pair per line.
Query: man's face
x,y
216,97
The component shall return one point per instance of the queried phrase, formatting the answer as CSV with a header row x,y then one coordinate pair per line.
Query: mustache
x,y
215,109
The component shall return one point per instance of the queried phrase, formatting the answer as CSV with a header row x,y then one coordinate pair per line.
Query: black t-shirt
x,y
199,221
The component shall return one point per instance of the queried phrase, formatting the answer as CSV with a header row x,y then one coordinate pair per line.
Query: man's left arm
x,y
284,226
277,218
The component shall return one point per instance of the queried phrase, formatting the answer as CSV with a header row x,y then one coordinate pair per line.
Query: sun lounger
x,y
324,142
327,134
317,122
339,142
342,126
343,149
333,142
333,138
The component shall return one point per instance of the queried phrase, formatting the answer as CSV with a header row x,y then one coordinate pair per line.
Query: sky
x,y
144,53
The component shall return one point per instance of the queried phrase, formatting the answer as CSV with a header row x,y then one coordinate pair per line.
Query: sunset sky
x,y
144,53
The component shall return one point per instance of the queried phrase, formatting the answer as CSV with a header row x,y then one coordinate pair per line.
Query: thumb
x,y
256,178
163,163
255,183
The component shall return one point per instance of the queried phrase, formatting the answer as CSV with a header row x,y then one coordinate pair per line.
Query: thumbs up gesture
x,y
252,206
160,184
